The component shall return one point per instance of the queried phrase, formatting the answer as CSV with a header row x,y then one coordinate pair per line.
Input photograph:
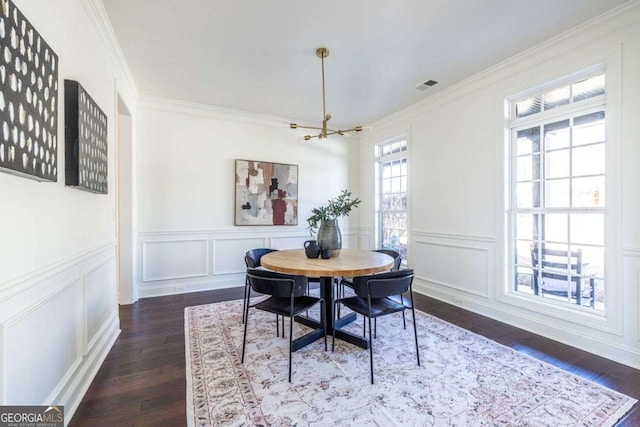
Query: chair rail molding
x,y
453,236
633,252
20,283
224,232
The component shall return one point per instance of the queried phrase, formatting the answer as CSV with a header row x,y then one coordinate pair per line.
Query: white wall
x,y
58,310
186,182
58,279
457,187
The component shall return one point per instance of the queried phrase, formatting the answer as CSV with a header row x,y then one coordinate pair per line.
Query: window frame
x,y
381,158
513,126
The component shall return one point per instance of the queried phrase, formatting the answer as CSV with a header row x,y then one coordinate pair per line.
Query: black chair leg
x,y
245,301
290,340
324,323
415,332
404,321
370,350
246,322
338,287
282,317
375,327
333,340
306,313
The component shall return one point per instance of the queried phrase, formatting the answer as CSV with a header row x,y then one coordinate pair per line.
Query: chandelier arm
x,y
307,127
322,53
356,129
343,131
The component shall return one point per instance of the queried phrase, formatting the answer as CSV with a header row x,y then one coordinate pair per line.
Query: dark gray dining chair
x,y
371,300
288,298
347,282
252,260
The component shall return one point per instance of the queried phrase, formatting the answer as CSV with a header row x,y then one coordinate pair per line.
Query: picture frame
x,y
28,99
86,142
266,193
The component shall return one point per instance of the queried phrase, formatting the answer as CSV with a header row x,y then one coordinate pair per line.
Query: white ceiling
x,y
259,56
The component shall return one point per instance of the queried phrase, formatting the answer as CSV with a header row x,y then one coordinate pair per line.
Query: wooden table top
x,y
351,262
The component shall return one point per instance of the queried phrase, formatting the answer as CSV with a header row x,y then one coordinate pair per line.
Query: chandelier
x,y
323,52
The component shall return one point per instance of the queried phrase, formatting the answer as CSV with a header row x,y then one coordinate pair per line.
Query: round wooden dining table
x,y
350,262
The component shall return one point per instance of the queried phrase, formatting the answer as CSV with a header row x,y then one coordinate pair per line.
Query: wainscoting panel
x,y
228,253
173,262
365,239
173,259
44,342
458,262
46,320
631,258
100,298
350,240
282,243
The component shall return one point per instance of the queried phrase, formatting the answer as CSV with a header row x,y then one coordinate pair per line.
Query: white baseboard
x,y
528,321
86,372
159,289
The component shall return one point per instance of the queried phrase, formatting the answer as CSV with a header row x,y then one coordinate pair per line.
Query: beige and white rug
x,y
465,379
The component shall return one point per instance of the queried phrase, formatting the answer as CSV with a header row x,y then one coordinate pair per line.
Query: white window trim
x,y
612,320
378,185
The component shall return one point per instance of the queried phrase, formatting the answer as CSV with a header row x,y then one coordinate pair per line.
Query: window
x,y
557,192
392,195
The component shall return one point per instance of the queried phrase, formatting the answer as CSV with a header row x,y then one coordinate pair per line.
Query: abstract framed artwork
x,y
266,193
86,143
28,99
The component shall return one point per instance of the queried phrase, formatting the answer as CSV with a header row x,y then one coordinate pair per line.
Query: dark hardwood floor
x,y
142,381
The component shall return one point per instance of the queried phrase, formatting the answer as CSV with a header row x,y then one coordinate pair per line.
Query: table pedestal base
x,y
326,292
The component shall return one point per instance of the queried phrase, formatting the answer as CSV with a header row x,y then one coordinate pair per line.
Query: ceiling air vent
x,y
426,85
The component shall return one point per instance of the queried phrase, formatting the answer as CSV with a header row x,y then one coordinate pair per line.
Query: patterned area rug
x,y
464,380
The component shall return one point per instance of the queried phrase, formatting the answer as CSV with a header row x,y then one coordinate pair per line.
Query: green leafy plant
x,y
335,208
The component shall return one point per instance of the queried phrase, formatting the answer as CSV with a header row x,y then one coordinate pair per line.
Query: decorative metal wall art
x,y
86,142
266,193
28,99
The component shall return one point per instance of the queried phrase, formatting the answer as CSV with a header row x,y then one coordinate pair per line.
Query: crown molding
x,y
211,111
96,12
603,25
170,105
